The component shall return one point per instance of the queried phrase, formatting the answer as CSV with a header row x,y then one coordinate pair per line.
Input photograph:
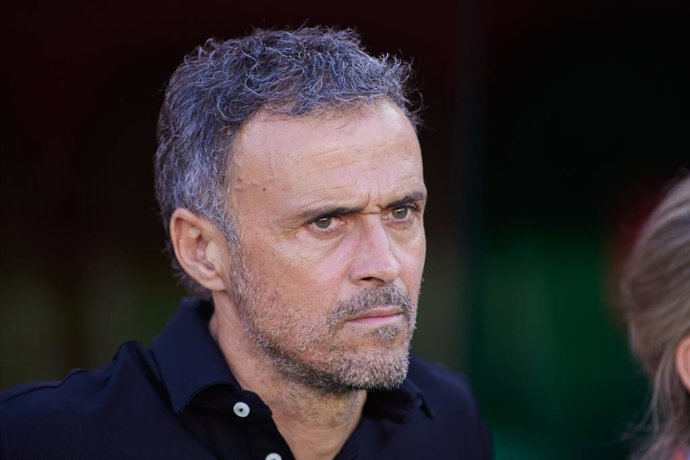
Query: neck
x,y
315,425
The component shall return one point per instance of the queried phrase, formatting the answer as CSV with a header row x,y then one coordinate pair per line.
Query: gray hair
x,y
221,85
656,297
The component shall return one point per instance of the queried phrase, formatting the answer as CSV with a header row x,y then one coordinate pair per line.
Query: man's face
x,y
327,275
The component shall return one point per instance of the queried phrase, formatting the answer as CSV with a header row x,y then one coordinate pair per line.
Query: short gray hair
x,y
221,85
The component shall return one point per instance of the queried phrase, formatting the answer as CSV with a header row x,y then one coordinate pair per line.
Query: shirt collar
x,y
189,361
188,358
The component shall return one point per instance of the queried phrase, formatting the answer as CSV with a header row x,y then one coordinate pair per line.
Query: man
x,y
290,182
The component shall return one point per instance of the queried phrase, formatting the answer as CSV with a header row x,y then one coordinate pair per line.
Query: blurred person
x,y
289,177
656,297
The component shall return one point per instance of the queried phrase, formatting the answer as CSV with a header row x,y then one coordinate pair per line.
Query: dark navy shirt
x,y
178,400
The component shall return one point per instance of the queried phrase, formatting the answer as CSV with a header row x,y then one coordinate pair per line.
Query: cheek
x,y
411,258
304,284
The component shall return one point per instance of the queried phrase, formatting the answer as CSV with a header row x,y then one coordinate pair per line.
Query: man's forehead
x,y
379,122
372,156
279,148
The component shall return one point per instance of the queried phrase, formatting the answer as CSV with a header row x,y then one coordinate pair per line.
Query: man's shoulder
x,y
78,387
53,395
85,412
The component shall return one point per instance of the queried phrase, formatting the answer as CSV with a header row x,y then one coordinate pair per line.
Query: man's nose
x,y
374,263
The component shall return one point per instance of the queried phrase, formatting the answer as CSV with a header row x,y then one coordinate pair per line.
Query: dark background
x,y
551,129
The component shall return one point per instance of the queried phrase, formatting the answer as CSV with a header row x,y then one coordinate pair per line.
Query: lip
x,y
379,316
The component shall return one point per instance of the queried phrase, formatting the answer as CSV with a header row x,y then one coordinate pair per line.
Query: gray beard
x,y
384,369
346,370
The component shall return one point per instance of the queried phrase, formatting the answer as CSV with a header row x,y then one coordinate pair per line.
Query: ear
x,y
199,247
683,361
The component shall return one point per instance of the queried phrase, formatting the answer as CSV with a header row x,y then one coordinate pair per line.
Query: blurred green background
x,y
551,129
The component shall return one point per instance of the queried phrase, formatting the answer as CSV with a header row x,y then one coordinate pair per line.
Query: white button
x,y
241,410
273,456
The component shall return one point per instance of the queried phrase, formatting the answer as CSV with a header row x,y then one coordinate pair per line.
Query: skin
x,y
329,209
682,361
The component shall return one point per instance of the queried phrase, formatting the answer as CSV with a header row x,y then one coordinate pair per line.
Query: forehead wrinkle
x,y
334,177
350,155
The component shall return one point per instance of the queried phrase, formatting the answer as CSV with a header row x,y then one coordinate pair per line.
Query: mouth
x,y
379,316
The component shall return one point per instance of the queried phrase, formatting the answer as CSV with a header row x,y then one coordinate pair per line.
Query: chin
x,y
378,371
338,372
371,367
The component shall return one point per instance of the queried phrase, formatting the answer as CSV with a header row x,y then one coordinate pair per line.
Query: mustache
x,y
367,299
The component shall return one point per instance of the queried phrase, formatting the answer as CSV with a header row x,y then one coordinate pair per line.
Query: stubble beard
x,y
290,342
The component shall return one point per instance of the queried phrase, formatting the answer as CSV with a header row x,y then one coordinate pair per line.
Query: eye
x,y
400,213
323,222
328,225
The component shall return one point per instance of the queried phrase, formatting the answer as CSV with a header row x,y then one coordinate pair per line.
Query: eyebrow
x,y
327,210
407,199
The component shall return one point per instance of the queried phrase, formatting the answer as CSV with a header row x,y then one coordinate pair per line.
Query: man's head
x,y
222,85
290,181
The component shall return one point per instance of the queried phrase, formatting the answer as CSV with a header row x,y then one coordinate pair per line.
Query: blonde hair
x,y
656,298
